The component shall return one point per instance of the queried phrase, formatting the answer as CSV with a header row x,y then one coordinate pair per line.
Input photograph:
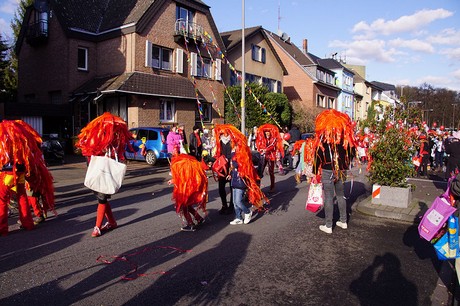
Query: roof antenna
x,y
279,15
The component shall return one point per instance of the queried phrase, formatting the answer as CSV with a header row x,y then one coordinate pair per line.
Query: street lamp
x,y
453,116
427,115
243,77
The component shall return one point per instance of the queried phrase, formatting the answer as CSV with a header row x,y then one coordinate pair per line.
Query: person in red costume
x,y
21,159
270,146
106,133
246,172
190,188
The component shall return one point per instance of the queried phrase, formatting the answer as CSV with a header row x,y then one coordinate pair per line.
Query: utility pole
x,y
243,78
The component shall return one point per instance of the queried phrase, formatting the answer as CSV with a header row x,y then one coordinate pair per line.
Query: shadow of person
x,y
201,279
382,283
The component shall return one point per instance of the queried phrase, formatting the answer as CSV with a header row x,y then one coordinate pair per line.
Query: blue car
x,y
154,140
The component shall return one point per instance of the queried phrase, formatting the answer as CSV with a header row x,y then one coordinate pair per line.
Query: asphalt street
x,y
280,258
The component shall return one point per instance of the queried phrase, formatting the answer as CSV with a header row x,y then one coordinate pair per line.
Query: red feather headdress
x,y
190,182
104,132
334,127
21,144
261,142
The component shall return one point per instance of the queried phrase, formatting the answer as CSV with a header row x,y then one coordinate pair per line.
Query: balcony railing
x,y
188,29
37,32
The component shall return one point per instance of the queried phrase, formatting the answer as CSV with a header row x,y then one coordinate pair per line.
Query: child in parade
x,y
190,188
270,146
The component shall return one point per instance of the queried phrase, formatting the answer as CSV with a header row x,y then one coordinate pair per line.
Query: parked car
x,y
154,140
307,135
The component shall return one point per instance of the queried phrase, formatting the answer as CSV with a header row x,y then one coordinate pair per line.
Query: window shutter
x,y
253,52
193,64
218,74
263,55
179,60
148,54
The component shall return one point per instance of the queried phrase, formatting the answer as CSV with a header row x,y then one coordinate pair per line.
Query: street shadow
x,y
382,283
201,279
286,189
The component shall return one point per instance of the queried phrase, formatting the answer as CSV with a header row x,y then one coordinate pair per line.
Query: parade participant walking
x,y
190,188
106,135
21,159
335,145
243,175
196,146
424,153
270,146
221,166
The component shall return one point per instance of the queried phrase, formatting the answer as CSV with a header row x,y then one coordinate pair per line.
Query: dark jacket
x,y
324,158
236,181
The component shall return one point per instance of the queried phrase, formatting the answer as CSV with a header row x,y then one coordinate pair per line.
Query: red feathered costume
x,y
22,159
106,132
243,157
190,188
270,144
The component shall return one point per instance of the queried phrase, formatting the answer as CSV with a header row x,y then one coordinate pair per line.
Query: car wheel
x,y
151,158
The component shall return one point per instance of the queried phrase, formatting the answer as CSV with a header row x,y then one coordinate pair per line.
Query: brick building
x,y
152,62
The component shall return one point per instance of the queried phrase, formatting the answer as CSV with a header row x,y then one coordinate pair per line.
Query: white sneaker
x,y
324,228
236,222
342,224
248,217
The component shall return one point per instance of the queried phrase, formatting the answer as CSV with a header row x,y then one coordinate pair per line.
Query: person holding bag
x,y
335,145
107,135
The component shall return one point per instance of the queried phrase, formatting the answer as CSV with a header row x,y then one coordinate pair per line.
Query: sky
x,y
404,42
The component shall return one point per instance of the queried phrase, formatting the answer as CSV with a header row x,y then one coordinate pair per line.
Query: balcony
x,y
184,28
37,33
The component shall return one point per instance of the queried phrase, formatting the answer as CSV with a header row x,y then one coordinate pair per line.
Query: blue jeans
x,y
238,203
332,187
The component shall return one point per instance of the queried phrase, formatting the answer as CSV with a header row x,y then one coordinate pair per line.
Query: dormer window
x,y
258,54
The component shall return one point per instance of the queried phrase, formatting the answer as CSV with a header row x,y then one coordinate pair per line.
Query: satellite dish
x,y
284,36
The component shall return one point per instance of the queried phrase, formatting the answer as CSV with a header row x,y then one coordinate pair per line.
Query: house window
x,y
167,110
184,14
320,101
258,54
82,63
161,58
234,80
206,109
55,97
204,68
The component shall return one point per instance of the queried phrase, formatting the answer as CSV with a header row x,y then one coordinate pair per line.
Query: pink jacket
x,y
173,142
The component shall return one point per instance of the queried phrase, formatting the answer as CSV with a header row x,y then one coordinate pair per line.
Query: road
x,y
281,258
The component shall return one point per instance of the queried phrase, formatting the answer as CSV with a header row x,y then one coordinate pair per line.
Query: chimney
x,y
305,46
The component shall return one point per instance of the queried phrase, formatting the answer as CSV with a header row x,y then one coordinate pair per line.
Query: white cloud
x,y
367,50
453,54
413,44
402,24
9,6
446,37
456,74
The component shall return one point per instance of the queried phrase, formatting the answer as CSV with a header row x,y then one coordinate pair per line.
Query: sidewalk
x,y
423,194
